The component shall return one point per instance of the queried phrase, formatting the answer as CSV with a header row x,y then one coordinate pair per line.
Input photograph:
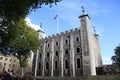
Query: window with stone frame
x,y
56,64
56,53
39,66
48,54
1,58
47,65
77,39
6,59
66,64
4,64
48,45
66,41
40,55
66,52
78,50
10,60
57,44
78,63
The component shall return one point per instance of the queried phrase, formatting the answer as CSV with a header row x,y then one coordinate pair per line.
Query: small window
x,y
56,53
56,65
77,39
14,60
5,59
47,65
4,64
40,55
78,63
78,50
48,45
47,54
66,51
66,64
39,65
9,64
56,43
66,41
1,58
13,65
10,60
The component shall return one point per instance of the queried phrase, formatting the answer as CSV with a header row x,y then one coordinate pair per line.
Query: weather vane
x,y
83,9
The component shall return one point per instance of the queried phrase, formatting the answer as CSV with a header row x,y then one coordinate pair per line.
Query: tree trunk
x,y
22,71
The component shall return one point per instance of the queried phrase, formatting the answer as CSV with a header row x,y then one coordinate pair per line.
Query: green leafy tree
x,y
116,58
23,40
11,11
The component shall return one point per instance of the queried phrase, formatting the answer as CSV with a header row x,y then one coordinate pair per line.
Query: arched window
x,y
56,53
39,65
78,63
77,39
56,65
47,65
66,41
66,64
78,50
66,51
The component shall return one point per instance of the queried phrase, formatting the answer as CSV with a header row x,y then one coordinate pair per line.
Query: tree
x,y
23,39
116,58
11,11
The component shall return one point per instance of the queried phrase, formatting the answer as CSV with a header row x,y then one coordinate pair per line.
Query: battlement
x,y
62,33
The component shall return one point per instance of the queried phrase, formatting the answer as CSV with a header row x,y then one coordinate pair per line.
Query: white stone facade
x,y
9,63
71,53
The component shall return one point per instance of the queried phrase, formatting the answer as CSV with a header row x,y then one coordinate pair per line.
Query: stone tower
x,y
90,46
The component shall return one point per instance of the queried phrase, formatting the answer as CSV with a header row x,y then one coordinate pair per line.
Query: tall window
x,y
66,64
47,54
40,55
77,39
66,51
56,65
56,53
66,41
47,65
48,45
56,43
78,63
39,65
78,50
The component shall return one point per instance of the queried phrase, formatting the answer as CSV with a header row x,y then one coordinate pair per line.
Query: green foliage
x,y
116,58
24,63
13,10
23,39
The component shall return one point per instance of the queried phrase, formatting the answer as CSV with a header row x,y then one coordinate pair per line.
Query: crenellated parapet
x,y
63,33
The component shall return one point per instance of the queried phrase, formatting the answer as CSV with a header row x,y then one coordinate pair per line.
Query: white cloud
x,y
34,26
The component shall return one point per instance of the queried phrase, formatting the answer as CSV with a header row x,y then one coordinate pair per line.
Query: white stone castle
x,y
71,53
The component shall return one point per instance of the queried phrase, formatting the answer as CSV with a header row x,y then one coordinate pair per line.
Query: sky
x,y
104,14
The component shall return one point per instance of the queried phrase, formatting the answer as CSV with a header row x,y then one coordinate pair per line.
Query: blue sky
x,y
104,14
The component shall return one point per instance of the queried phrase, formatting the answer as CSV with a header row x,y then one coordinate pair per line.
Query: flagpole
x,y
58,23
